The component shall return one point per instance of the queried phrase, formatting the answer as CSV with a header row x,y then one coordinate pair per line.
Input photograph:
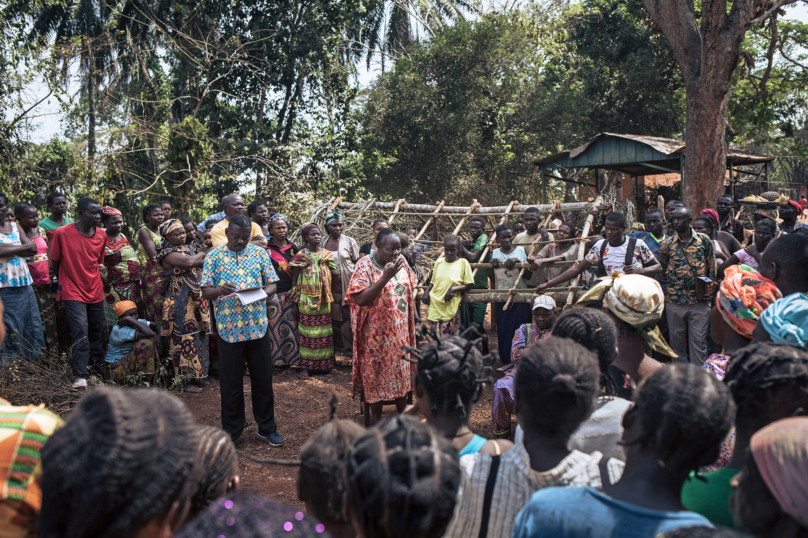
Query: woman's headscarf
x,y
307,228
169,226
744,295
780,451
712,213
108,211
122,307
796,206
786,320
274,217
635,299
334,216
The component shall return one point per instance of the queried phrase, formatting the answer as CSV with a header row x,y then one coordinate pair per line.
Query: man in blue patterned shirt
x,y
242,328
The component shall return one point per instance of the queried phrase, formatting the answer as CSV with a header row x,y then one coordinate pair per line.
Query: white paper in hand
x,y
250,296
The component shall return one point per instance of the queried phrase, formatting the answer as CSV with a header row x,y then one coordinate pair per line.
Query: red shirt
x,y
803,203
79,257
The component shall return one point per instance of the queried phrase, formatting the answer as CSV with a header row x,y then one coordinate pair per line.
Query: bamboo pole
x,y
362,211
525,264
337,201
460,210
493,234
584,233
521,296
430,219
556,203
395,211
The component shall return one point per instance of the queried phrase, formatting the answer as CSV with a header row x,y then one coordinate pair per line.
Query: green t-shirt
x,y
48,225
711,498
481,278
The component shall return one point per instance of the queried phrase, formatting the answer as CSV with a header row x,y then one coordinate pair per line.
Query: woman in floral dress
x,y
122,281
152,272
186,315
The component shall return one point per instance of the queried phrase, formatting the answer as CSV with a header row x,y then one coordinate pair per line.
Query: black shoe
x,y
274,439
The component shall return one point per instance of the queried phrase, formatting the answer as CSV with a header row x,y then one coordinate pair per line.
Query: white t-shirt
x,y
614,258
506,278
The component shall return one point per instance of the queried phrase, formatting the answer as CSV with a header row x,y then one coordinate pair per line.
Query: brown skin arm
x,y
369,294
176,259
733,260
259,241
148,245
653,268
143,330
211,294
462,289
25,249
569,274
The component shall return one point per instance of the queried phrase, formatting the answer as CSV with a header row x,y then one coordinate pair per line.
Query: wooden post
x,y
361,212
660,203
584,234
556,203
429,221
337,201
395,211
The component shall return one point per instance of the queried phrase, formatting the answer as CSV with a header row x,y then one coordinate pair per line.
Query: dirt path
x,y
301,407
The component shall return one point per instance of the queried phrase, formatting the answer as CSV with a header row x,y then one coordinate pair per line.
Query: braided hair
x,y
451,370
684,414
124,458
403,479
759,373
456,239
218,461
594,330
244,514
322,478
556,386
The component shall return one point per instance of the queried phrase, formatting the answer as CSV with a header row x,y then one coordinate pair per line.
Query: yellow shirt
x,y
218,238
444,276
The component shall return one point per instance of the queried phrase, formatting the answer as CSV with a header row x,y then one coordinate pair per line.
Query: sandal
x,y
334,371
304,375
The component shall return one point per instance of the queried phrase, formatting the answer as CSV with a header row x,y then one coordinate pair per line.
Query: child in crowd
x,y
123,465
403,478
768,382
556,389
451,276
450,374
679,418
132,344
323,481
504,273
207,244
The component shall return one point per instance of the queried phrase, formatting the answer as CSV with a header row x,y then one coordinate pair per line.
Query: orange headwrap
x,y
122,307
743,296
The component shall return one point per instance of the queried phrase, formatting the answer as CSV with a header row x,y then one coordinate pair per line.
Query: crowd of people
x,y
669,401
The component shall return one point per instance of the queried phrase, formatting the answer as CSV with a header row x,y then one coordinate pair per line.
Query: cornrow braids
x,y
219,466
759,372
684,414
594,330
451,370
124,457
323,475
403,479
556,386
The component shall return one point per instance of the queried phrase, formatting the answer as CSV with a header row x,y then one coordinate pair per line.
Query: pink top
x,y
747,259
38,265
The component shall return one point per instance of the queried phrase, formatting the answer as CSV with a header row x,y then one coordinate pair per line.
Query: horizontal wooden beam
x,y
462,210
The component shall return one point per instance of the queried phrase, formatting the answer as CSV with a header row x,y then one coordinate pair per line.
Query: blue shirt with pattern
x,y
249,268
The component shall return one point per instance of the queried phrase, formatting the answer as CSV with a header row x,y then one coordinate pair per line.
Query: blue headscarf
x,y
786,320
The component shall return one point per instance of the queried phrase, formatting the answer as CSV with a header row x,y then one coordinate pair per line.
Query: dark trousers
x,y
257,354
87,326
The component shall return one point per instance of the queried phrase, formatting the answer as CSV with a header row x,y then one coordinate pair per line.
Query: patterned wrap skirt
x,y
502,409
24,336
150,289
282,331
126,290
450,327
44,299
142,359
316,339
340,317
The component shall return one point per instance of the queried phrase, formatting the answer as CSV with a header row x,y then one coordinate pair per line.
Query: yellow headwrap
x,y
122,307
169,226
635,299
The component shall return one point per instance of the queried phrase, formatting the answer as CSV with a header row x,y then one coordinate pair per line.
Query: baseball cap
x,y
544,301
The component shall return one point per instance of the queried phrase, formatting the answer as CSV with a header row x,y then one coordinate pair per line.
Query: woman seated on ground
x,y
140,448
563,250
133,346
705,225
451,276
769,499
450,374
679,417
635,303
544,315
370,248
764,233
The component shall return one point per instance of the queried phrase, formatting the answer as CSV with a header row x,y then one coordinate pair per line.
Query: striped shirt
x,y
515,483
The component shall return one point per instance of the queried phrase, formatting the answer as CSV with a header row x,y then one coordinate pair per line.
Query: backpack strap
x,y
603,466
601,267
632,244
489,495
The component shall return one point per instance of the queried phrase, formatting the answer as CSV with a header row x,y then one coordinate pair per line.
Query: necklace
x,y
468,431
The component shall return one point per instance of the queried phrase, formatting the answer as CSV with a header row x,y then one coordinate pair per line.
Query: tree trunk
x,y
91,91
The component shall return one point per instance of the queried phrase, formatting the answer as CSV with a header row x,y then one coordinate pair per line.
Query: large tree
x,y
706,40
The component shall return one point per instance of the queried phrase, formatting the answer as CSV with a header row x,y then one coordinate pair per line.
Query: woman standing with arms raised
x,y
311,274
382,300
186,315
122,282
150,239
345,251
281,311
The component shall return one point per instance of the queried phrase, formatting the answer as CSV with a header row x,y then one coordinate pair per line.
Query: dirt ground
x,y
301,407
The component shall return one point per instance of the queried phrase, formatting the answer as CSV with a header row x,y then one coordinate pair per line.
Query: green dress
x,y
312,293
